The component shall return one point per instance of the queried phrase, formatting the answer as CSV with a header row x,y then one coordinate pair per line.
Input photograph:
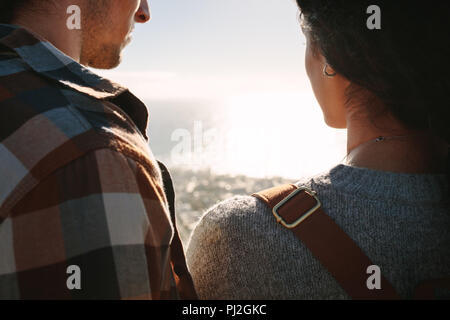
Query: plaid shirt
x,y
79,185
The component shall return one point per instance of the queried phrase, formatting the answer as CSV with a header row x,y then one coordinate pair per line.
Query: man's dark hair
x,y
8,8
404,65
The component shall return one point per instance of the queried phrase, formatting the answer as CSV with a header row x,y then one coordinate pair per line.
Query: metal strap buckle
x,y
304,216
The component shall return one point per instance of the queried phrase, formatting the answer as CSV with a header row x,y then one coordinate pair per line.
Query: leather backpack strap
x,y
299,210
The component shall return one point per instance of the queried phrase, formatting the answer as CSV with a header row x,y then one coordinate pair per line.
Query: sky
x,y
209,48
242,61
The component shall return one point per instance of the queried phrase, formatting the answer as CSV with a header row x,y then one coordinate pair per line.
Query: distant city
x,y
197,191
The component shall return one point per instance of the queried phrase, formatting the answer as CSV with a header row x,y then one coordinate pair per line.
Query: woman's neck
x,y
413,153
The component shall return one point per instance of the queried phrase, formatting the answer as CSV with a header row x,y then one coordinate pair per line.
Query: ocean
x,y
218,150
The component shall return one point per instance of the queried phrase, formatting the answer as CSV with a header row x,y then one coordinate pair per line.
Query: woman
x,y
390,195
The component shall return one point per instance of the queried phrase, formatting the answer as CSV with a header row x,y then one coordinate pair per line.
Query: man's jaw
x,y
130,34
128,40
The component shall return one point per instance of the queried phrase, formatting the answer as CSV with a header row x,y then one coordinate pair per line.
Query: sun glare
x,y
279,134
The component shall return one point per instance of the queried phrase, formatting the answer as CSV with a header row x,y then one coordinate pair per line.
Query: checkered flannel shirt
x,y
79,185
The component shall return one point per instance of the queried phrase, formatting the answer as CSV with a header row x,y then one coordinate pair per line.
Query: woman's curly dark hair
x,y
404,64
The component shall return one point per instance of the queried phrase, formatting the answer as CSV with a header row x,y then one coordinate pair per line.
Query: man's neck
x,y
53,28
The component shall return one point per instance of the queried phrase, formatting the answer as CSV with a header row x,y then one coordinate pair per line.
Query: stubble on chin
x,y
102,57
95,51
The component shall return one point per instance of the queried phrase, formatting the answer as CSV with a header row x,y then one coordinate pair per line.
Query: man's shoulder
x,y
48,100
44,126
45,118
40,113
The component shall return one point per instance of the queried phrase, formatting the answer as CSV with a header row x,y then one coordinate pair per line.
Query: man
x,y
84,207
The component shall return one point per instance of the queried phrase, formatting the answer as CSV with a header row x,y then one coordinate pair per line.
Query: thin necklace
x,y
381,138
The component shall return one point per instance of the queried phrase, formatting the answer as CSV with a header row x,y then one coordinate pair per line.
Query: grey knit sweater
x,y
401,221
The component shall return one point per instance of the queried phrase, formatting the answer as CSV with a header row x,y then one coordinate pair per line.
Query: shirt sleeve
x,y
98,228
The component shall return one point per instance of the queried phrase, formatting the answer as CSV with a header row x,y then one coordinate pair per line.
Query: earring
x,y
325,72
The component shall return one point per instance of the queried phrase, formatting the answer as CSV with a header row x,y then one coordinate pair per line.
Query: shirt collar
x,y
45,59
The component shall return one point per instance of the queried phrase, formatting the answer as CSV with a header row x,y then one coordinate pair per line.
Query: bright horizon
x,y
243,60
